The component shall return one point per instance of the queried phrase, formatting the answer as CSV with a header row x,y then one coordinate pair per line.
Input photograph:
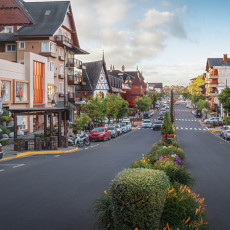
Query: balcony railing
x,y
49,54
63,40
74,80
74,97
75,63
213,76
212,85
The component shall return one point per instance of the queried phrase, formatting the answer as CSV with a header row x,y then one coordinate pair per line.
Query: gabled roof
x,y
216,62
14,12
91,75
48,16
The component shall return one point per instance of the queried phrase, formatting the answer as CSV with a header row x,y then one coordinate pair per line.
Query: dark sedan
x,y
161,116
157,125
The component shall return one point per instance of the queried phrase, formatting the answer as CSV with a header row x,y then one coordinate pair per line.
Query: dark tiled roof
x,y
91,75
21,3
7,37
45,25
218,62
156,85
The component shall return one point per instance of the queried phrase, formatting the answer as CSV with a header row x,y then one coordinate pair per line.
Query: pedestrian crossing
x,y
186,120
182,110
185,128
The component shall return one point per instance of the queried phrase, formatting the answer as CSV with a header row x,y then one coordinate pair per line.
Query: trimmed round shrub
x,y
138,197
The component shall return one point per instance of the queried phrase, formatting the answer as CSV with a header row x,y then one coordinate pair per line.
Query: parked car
x,y
147,124
157,105
128,125
161,116
100,133
167,107
157,125
123,127
222,129
113,131
212,120
226,132
126,119
119,130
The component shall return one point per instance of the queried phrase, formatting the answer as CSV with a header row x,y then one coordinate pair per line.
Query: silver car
x,y
123,127
119,129
147,124
226,133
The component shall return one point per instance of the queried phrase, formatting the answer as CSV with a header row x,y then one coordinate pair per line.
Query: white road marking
x,y
195,128
199,129
17,166
2,170
190,128
57,156
186,128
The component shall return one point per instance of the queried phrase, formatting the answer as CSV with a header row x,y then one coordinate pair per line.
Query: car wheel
x,y
80,144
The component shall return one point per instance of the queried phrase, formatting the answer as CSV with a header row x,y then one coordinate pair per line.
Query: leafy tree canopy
x,y
224,98
194,88
143,103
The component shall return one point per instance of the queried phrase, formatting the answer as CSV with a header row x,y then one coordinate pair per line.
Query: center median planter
x,y
169,136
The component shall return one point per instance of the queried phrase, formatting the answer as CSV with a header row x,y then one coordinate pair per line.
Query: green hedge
x,y
5,130
4,142
138,197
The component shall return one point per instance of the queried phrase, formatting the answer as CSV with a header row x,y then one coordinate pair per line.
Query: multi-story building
x,y
132,83
157,87
47,29
216,78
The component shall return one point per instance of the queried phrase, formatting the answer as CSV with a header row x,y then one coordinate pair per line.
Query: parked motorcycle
x,y
79,140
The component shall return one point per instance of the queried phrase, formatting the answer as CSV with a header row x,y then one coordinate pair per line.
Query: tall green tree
x,y
112,106
143,103
96,109
153,97
123,108
167,127
172,107
194,88
81,122
224,98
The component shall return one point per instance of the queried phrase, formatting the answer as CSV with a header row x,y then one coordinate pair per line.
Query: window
x,y
11,48
51,47
51,66
51,92
9,30
21,91
60,52
45,47
22,45
5,90
22,122
60,69
60,87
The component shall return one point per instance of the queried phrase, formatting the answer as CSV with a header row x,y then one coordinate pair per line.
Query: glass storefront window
x,y
21,91
51,92
22,122
5,90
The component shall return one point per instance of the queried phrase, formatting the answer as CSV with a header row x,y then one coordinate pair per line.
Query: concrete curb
x,y
212,130
38,153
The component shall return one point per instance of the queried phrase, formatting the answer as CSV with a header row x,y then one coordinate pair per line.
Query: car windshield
x,y
98,130
146,122
117,126
122,124
157,122
111,127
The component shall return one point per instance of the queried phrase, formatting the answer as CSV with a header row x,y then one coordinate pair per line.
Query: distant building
x,y
217,78
157,87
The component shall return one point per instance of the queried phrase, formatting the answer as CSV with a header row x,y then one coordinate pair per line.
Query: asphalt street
x,y
57,192
208,158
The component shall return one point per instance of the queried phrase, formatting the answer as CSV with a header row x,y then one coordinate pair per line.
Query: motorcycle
x,y
79,140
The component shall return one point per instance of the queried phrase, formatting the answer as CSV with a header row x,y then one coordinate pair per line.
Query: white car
x,y
128,125
166,107
147,124
163,110
225,132
213,119
123,127
125,119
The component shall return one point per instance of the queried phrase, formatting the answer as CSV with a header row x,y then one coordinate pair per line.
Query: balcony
x,y
74,97
61,58
212,85
75,63
63,41
74,80
61,76
213,76
48,54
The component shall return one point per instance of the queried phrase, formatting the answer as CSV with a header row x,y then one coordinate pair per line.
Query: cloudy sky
x,y
169,40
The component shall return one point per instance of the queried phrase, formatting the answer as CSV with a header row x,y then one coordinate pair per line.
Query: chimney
x,y
225,58
111,68
123,68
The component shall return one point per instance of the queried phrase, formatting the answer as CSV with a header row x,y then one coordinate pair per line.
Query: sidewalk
x,y
9,153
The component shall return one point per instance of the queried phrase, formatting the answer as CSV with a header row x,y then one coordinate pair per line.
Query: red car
x,y
100,133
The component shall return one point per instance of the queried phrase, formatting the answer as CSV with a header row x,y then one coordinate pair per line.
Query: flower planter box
x,y
169,136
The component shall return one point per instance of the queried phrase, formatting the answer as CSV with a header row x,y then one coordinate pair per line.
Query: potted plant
x,y
4,119
167,130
